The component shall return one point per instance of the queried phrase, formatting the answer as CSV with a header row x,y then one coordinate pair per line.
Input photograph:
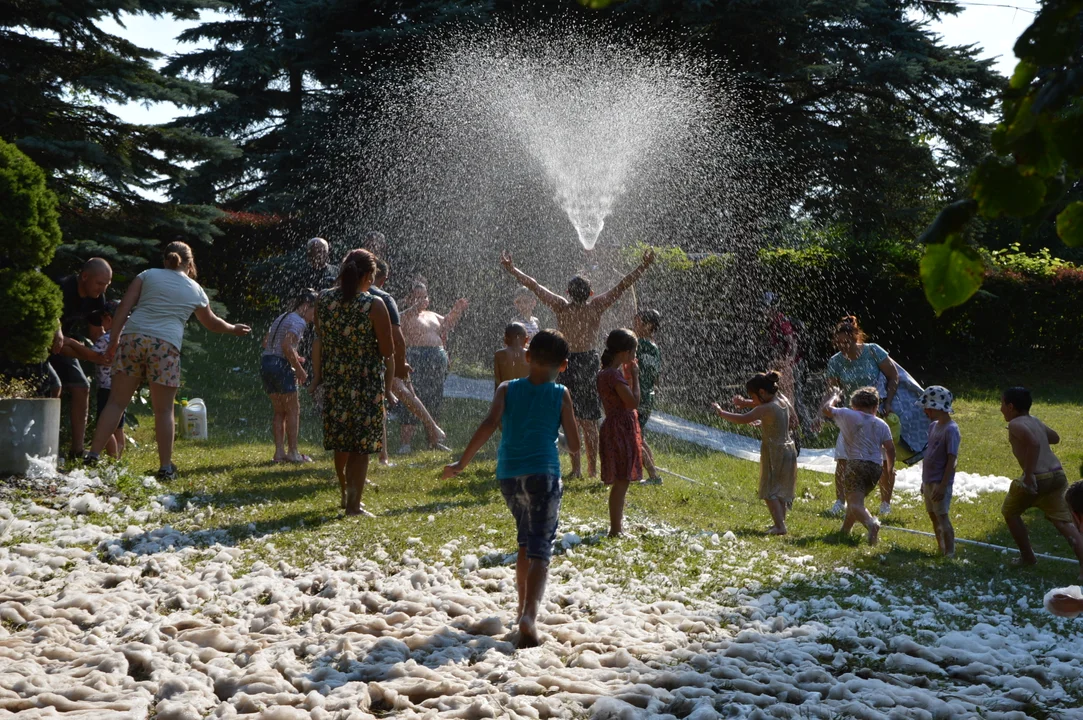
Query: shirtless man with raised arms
x,y
578,319
426,333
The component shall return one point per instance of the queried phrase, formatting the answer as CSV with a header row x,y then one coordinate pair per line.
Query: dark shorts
x,y
534,501
69,371
277,375
581,379
430,366
103,400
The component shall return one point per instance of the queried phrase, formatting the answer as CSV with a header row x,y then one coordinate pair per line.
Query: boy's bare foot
x,y
1025,561
949,555
528,633
775,530
874,535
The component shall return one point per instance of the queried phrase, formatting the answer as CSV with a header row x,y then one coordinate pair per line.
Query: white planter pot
x,y
27,427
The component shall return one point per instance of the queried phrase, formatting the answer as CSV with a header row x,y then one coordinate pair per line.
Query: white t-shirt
x,y
862,434
168,298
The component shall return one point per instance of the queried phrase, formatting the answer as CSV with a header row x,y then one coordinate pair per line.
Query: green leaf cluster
x,y
1038,161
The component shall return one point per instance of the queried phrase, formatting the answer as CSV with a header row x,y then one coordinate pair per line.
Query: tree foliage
x,y
854,94
58,69
1038,164
29,235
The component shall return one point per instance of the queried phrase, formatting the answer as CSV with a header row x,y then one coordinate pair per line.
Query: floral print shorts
x,y
148,359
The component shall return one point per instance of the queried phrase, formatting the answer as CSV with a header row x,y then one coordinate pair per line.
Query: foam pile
x,y
110,622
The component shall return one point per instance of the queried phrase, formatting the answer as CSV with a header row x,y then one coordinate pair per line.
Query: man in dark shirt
x,y
84,301
318,273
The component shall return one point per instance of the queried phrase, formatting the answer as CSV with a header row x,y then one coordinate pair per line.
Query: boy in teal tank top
x,y
532,410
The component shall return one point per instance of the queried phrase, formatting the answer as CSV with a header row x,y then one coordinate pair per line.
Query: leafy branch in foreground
x,y
1038,160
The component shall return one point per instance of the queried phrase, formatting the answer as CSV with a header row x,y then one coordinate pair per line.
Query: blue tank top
x,y
528,445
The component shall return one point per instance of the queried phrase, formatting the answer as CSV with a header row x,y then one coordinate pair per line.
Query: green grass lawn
x,y
291,512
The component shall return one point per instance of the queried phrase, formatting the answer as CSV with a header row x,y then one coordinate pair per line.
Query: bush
x,y
29,235
33,304
29,231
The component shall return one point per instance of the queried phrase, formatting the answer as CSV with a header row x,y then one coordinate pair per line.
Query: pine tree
x,y
294,67
57,69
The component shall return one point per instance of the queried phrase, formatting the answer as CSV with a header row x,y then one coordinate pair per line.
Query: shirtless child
x,y
578,319
510,363
1043,483
425,333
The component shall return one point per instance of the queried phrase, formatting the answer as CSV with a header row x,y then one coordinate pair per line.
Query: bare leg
x,y
840,471
937,531
1074,538
1018,529
124,386
887,487
777,508
408,398
406,433
80,404
278,425
947,535
589,430
161,399
384,459
855,511
292,422
576,455
648,460
536,576
340,472
617,493
119,439
522,567
357,465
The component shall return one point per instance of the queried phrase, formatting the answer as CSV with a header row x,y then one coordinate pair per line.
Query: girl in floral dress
x,y
353,366
619,443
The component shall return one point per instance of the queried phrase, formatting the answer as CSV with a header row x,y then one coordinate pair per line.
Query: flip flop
x,y
299,459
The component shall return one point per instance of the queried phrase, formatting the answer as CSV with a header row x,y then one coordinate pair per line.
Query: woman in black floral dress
x,y
352,368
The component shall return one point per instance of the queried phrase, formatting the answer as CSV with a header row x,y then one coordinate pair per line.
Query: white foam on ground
x,y
908,480
152,620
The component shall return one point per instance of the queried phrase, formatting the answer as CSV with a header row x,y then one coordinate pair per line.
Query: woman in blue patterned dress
x,y
353,365
859,364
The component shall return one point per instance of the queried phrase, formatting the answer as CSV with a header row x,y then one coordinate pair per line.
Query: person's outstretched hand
x,y
741,401
506,261
241,330
461,304
451,470
716,408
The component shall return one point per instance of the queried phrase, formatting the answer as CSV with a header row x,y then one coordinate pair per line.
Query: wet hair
x,y
651,318
865,398
524,293
110,308
1019,398
382,269
618,341
579,289
375,242
549,348
357,264
849,326
308,296
178,255
513,330
1074,497
768,382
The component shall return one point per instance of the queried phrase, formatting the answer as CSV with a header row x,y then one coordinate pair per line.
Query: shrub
x,y
32,304
29,235
29,231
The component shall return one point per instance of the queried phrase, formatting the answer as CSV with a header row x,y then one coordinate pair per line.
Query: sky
x,y
991,27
